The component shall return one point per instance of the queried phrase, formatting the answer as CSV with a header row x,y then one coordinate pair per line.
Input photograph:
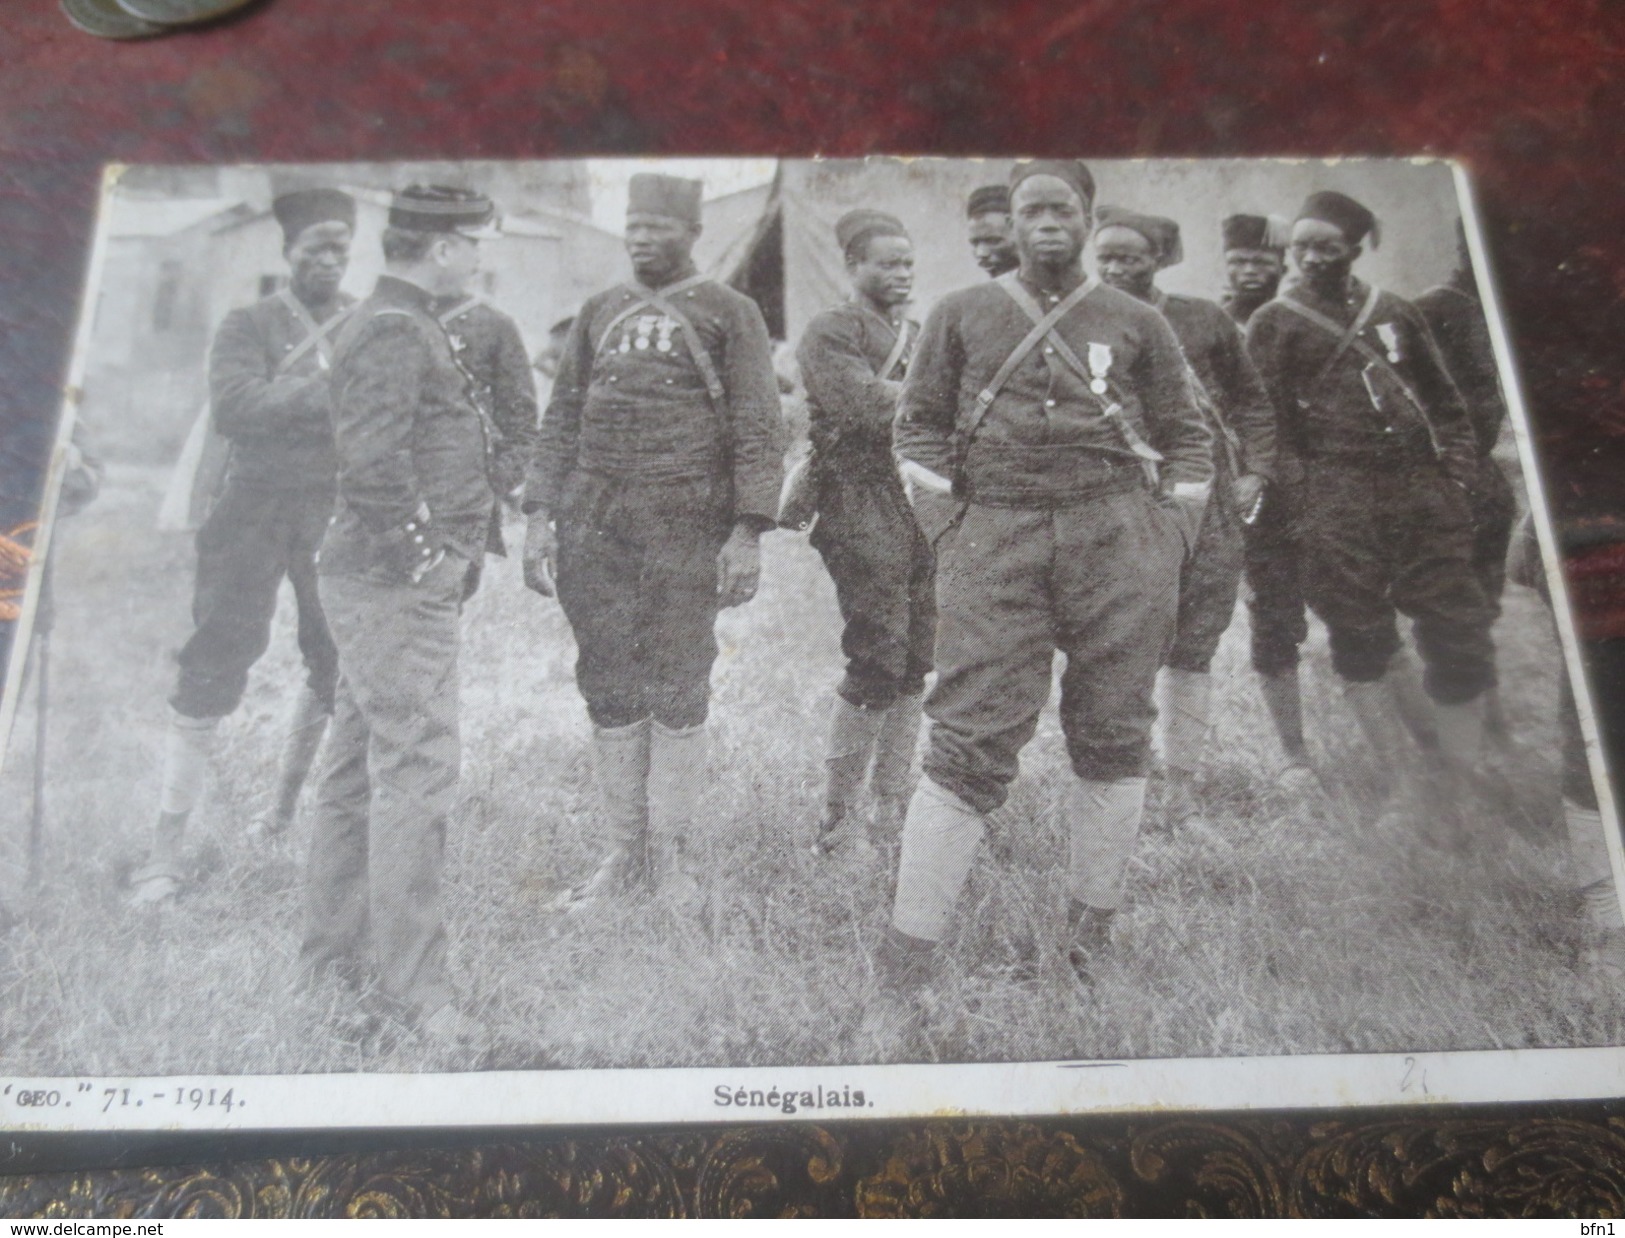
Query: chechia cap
x,y
1350,218
299,209
987,200
1073,171
1255,232
1160,232
442,208
855,227
652,193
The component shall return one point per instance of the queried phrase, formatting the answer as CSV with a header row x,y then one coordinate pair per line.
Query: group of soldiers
x,y
1056,460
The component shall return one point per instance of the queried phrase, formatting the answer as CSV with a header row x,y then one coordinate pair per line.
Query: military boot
x,y
1103,823
1415,706
621,769
893,778
1088,935
306,727
895,1010
1184,703
1453,787
1402,809
1284,700
679,773
853,730
189,745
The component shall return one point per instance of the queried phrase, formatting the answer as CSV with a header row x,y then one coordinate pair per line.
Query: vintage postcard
x,y
685,640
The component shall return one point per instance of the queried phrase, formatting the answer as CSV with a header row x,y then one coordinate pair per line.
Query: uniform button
x,y
1049,403
418,538
1048,351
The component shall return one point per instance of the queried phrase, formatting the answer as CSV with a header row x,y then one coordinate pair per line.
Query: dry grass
x,y
1304,934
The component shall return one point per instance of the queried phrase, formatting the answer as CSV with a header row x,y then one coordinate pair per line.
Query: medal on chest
x,y
1100,365
1389,334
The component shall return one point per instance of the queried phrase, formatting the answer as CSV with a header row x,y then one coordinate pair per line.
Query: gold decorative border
x,y
1570,1164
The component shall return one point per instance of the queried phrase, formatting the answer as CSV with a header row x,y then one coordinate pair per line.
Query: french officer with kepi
x,y
414,512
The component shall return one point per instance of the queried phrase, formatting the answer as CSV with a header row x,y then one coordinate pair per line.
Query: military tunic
x,y
644,476
1275,604
489,348
411,486
1055,538
1243,428
269,399
1456,319
866,531
1381,487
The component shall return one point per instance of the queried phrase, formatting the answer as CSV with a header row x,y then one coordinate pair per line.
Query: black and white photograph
x,y
698,639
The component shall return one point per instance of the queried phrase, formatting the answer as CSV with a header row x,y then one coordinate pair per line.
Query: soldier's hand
x,y
541,553
1248,489
739,568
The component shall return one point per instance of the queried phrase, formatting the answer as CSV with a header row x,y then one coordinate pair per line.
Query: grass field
x,y
1302,933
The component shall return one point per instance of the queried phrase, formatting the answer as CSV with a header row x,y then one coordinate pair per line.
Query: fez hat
x,y
1160,232
987,200
1073,171
652,193
1255,232
441,208
299,209
855,227
1343,213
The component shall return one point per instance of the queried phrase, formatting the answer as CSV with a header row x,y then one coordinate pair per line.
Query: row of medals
x,y
143,19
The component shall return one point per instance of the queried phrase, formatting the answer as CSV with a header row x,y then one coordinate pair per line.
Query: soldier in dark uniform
x,y
1033,453
1129,251
988,212
852,359
1455,315
268,383
414,512
1385,449
1254,263
658,467
487,344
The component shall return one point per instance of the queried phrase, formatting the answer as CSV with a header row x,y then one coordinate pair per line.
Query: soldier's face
x,y
317,259
658,245
1322,253
991,243
1255,272
1051,221
884,272
1125,260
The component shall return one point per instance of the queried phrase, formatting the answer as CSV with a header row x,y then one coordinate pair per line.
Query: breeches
x,y
1099,581
249,542
637,578
1381,540
885,584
